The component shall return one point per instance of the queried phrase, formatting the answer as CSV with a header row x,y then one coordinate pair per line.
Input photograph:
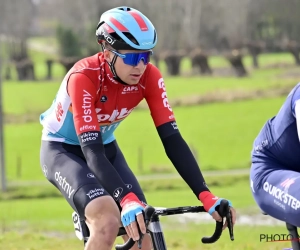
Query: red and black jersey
x,y
90,99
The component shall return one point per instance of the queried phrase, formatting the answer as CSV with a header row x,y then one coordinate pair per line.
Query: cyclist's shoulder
x,y
91,63
88,66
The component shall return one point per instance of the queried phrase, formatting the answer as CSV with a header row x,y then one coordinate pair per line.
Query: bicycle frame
x,y
294,232
153,226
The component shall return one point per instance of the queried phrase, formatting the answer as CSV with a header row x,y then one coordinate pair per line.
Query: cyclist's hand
x,y
132,213
210,202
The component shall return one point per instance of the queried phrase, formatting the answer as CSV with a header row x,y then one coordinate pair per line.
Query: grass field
x,y
221,134
46,223
55,212
226,130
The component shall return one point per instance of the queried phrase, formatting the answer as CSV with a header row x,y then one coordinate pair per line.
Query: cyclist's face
x,y
128,74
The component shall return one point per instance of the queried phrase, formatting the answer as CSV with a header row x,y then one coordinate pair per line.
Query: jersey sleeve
x,y
156,98
175,146
83,95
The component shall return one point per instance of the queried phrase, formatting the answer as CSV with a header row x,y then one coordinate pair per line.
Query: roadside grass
x,y
220,135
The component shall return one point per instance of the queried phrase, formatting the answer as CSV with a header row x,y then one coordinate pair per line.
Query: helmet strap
x,y
112,68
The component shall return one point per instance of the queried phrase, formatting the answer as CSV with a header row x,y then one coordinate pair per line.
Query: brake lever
x,y
139,242
224,211
147,213
227,214
230,224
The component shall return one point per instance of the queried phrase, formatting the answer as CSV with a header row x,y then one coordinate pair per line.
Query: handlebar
x,y
223,210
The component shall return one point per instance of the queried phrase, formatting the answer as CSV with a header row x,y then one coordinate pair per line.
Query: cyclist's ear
x,y
107,55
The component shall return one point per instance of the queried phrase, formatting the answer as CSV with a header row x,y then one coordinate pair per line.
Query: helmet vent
x,y
130,37
127,34
125,8
116,36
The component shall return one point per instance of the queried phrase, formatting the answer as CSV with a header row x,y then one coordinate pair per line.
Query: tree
x,y
15,27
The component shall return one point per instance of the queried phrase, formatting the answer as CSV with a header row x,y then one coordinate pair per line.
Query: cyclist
x,y
275,170
78,147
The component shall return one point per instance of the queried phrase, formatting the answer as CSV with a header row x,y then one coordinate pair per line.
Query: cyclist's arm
x,y
175,146
83,94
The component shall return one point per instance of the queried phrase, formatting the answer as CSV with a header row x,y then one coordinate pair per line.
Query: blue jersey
x,y
278,140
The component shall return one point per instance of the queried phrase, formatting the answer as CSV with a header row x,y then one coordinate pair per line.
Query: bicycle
x,y
151,216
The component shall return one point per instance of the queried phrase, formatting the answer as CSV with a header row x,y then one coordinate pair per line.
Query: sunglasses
x,y
133,59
